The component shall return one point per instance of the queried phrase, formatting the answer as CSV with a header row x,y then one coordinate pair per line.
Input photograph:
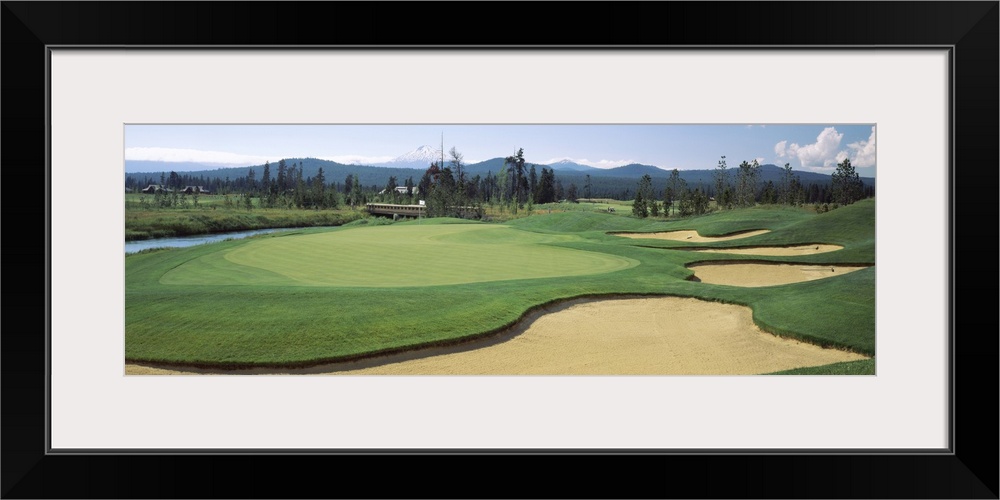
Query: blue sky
x,y
815,148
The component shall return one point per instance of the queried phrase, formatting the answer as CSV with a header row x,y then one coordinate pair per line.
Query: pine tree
x,y
846,184
721,184
640,207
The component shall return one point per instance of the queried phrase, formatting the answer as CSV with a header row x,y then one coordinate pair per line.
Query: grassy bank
x,y
322,295
142,224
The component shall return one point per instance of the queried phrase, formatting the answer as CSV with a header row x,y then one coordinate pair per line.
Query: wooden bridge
x,y
396,210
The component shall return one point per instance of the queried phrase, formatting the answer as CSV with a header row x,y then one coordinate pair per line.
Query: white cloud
x,y
821,155
863,152
821,170
358,159
760,160
591,163
193,155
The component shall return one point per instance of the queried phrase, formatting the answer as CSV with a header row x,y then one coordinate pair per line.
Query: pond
x,y
187,241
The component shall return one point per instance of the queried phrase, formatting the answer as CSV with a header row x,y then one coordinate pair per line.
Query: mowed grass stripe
x,y
399,257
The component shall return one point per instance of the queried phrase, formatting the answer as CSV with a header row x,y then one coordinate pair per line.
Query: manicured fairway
x,y
397,256
314,296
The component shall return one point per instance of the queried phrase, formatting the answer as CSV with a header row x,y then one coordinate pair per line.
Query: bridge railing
x,y
390,209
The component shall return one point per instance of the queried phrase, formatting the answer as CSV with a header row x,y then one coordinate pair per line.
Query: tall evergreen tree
x,y
785,194
533,184
547,186
640,206
721,184
746,184
355,192
846,185
676,186
282,179
319,189
519,178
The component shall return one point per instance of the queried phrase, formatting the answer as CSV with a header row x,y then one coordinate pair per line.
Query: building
x,y
401,190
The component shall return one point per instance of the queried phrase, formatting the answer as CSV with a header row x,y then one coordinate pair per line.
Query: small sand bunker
x,y
691,236
759,274
775,251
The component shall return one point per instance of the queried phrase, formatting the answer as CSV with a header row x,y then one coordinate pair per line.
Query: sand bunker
x,y
759,274
641,336
775,251
636,336
691,236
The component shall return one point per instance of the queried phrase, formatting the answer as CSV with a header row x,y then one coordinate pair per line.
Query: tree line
x,y
446,188
741,188
518,186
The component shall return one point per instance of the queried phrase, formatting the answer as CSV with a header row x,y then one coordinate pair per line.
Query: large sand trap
x,y
642,336
636,336
691,236
775,251
754,275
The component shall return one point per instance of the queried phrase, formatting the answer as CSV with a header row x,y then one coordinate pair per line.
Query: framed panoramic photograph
x,y
590,262
697,253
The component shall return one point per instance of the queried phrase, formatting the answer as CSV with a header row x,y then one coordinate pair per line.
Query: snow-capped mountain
x,y
567,165
421,157
420,154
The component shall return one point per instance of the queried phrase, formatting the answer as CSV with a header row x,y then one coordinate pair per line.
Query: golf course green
x,y
440,254
327,295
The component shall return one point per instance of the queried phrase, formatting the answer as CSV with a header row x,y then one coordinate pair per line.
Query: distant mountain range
x,y
423,156
414,163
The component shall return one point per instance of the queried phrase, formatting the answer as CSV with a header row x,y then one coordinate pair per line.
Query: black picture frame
x,y
969,471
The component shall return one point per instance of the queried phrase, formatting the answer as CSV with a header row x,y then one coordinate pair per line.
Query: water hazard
x,y
188,241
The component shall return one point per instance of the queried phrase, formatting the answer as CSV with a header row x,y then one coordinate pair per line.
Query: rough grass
x,y
147,224
250,313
